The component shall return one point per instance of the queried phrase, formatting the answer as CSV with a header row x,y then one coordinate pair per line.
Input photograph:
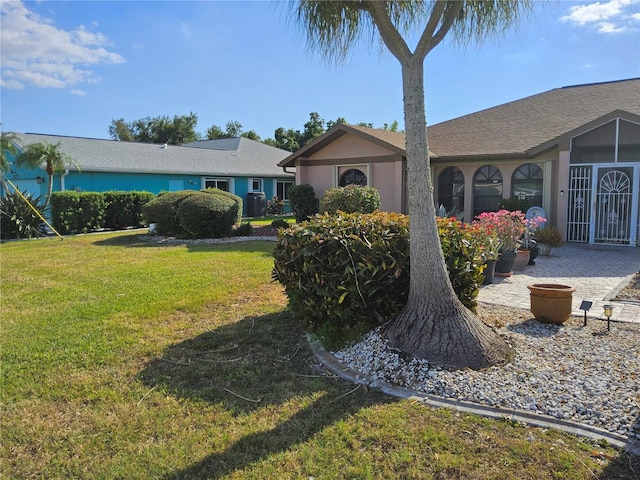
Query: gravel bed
x,y
569,372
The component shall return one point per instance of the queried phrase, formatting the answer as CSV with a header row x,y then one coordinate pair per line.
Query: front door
x,y
603,204
614,205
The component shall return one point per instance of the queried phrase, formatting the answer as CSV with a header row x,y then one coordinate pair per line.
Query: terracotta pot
x,y
504,265
551,302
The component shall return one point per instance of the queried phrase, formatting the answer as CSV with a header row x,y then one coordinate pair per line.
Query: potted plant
x,y
508,227
528,249
548,238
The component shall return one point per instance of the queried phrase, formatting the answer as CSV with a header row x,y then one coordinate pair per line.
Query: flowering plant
x,y
531,225
487,243
507,226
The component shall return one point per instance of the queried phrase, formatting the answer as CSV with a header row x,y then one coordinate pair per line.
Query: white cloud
x,y
80,93
35,52
186,30
607,17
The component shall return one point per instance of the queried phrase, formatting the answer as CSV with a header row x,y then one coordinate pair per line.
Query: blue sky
x,y
69,68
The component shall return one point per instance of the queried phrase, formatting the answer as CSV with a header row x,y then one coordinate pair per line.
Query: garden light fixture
x,y
608,311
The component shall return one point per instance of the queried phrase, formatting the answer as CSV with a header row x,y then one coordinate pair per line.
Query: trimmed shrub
x,y
279,223
77,212
90,212
303,201
235,198
207,216
345,274
163,211
244,230
17,219
124,209
350,199
514,203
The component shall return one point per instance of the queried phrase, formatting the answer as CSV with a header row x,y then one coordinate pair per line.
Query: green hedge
x,y
77,212
347,273
82,212
124,209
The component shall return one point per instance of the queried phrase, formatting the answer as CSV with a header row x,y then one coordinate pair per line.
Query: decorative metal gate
x,y
579,214
601,201
613,206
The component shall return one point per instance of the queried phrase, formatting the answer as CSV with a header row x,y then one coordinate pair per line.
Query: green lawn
x,y
125,359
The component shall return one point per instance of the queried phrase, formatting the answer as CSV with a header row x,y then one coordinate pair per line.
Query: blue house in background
x,y
238,165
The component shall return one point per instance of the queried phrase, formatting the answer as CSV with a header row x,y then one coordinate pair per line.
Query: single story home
x,y
574,152
238,165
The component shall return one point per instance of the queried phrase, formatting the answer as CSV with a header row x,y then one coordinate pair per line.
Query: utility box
x,y
256,204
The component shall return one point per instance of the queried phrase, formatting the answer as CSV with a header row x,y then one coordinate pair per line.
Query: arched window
x,y
487,190
526,183
353,176
451,190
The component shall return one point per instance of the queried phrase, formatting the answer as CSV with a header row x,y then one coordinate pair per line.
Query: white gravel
x,y
569,372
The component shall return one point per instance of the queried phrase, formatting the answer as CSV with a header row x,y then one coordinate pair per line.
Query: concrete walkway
x,y
597,273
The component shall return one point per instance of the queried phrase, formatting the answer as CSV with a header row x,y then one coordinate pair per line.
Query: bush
x,y
207,216
303,201
350,199
77,212
513,204
163,211
17,219
124,209
279,223
235,198
275,206
345,274
244,230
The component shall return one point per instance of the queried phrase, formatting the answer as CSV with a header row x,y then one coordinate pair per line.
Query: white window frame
x,y
260,182
230,180
283,181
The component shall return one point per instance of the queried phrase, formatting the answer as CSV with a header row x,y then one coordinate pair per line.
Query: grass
x,y
124,359
262,221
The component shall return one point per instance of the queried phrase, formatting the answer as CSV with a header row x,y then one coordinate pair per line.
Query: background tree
x,y
434,324
162,129
48,156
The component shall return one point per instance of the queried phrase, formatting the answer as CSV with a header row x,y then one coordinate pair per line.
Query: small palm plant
x,y
48,156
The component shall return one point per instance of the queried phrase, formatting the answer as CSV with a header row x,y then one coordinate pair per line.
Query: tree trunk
x,y
434,325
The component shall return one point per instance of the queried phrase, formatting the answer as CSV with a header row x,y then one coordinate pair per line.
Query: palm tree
x,y
434,324
8,142
48,156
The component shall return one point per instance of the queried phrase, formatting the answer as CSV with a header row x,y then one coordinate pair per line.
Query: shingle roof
x,y
242,157
521,127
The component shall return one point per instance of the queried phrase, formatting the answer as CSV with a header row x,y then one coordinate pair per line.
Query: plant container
x,y
551,302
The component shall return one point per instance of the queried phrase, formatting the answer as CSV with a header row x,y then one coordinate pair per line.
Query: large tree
x,y
174,131
434,324
48,156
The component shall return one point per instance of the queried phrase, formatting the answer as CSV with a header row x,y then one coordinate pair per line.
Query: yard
x,y
127,359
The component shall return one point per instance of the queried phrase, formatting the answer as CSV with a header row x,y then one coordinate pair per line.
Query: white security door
x,y
615,199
